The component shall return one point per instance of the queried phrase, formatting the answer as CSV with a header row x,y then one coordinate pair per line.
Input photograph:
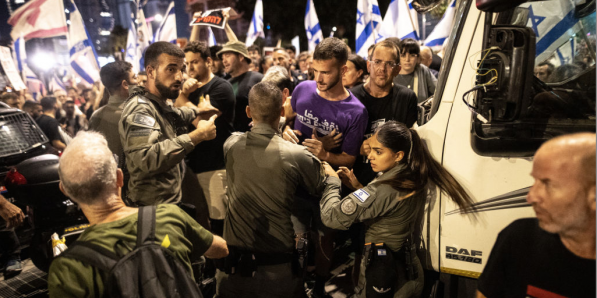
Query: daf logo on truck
x,y
464,255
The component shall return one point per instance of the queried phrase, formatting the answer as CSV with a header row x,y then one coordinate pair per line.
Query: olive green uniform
x,y
175,230
264,172
389,218
155,142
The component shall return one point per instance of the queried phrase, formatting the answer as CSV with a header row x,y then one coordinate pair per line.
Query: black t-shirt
x,y
209,155
241,86
399,105
527,261
49,126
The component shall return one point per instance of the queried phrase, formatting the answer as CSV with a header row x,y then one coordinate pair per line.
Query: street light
x,y
44,61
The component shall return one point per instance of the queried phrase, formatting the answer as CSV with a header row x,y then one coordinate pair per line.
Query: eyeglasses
x,y
384,64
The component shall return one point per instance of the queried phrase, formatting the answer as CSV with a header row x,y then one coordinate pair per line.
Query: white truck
x,y
488,142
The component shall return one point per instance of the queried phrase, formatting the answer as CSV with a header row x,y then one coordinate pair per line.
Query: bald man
x,y
426,56
552,255
95,185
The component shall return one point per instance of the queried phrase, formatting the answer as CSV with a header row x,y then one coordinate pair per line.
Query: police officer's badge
x,y
144,120
348,207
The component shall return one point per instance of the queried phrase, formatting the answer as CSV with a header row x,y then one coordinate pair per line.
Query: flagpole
x,y
424,28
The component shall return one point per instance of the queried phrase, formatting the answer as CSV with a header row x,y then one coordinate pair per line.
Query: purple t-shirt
x,y
347,116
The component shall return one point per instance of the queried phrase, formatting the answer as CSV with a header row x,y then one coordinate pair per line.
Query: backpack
x,y
149,270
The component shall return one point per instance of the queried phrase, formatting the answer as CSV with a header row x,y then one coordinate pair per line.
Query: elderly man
x,y
426,56
383,100
264,172
95,186
552,255
154,135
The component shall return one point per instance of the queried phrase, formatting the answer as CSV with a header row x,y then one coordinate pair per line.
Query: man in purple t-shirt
x,y
323,108
326,105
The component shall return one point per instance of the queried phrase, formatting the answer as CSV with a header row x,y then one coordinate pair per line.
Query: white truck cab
x,y
490,113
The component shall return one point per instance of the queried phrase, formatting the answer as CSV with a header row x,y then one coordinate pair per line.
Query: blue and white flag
x,y
211,38
441,32
20,56
397,22
144,37
34,84
256,27
368,26
167,30
554,24
566,53
131,47
56,84
83,58
314,34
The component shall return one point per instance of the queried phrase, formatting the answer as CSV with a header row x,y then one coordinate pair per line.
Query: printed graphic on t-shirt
x,y
323,126
534,292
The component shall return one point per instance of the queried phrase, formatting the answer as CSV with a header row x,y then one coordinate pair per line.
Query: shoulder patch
x,y
141,100
348,207
144,120
362,195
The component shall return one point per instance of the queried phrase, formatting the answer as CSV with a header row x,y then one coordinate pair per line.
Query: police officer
x,y
264,172
153,134
389,207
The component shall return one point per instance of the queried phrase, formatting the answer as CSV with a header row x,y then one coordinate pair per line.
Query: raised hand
x,y
349,179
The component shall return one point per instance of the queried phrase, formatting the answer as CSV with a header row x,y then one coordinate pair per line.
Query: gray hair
x,y
87,168
279,76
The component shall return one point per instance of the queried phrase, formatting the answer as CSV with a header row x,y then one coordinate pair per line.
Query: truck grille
x,y
18,134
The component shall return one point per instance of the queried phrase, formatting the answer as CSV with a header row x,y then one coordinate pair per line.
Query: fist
x,y
189,86
207,128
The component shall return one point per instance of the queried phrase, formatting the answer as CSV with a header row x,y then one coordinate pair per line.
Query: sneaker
x,y
13,268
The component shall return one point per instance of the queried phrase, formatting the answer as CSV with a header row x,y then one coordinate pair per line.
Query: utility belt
x,y
385,269
245,262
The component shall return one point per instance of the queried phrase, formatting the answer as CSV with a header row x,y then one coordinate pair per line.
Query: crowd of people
x,y
276,153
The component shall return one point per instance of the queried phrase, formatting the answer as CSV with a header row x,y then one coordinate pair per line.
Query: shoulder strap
x,y
416,83
92,254
146,225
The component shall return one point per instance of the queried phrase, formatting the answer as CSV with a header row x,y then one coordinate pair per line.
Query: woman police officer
x,y
389,207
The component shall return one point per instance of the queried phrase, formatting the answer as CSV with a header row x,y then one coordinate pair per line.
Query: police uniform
x,y
389,216
264,172
155,142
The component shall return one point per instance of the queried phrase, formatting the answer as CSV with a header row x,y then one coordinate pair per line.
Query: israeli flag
x,y
20,56
56,84
256,27
143,36
314,34
167,30
368,26
34,84
131,47
554,24
442,30
211,38
397,22
83,58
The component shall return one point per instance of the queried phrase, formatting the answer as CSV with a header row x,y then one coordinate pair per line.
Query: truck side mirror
x,y
497,5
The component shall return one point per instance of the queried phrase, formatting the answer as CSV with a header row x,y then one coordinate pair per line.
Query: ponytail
x,y
421,166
